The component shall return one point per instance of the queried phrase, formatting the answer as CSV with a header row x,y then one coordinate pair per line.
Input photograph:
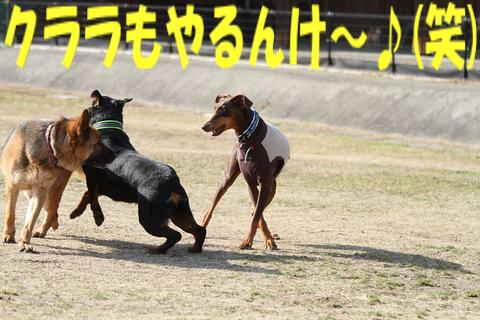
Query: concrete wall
x,y
411,106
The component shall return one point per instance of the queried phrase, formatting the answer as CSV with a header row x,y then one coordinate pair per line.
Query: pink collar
x,y
48,140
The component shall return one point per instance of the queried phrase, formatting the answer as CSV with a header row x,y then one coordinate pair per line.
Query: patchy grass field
x,y
371,226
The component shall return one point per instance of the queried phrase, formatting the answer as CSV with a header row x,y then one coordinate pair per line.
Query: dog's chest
x,y
255,159
253,162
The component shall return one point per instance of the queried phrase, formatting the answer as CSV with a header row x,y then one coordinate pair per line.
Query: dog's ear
x,y
121,103
95,93
243,101
96,97
248,103
83,129
220,97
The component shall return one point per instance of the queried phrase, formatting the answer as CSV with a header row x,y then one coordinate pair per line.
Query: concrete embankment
x,y
368,101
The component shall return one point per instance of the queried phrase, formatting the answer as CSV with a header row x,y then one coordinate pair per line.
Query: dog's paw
x,y
26,248
76,213
9,238
270,244
97,214
158,250
246,244
99,218
39,234
195,249
54,225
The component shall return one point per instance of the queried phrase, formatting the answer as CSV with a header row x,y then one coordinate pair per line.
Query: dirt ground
x,y
371,226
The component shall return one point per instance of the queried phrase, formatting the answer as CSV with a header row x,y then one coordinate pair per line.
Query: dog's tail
x,y
5,143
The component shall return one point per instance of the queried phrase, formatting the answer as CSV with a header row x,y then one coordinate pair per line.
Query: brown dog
x,y
39,158
260,154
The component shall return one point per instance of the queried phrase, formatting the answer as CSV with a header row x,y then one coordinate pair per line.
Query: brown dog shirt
x,y
263,154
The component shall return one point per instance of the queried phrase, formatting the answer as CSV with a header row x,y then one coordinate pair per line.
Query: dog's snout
x,y
207,127
101,156
110,155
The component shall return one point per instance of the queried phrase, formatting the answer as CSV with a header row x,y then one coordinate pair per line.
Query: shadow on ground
x,y
381,255
178,256
247,261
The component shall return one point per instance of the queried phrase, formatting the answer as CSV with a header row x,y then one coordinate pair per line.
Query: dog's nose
x,y
206,127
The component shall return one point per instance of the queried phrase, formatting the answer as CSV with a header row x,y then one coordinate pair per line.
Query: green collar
x,y
108,124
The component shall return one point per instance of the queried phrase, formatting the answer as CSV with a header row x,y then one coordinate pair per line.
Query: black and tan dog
x,y
132,177
260,154
39,158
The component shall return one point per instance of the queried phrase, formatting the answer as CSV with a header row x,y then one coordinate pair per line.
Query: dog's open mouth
x,y
218,131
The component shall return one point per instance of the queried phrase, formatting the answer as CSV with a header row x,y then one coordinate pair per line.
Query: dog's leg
x,y
81,207
94,193
262,224
262,200
154,224
172,236
184,219
10,204
187,223
97,212
34,207
52,203
233,170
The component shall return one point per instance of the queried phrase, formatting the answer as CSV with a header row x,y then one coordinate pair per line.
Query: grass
x,y
100,296
421,313
373,299
390,284
7,295
473,293
426,283
444,294
376,315
371,226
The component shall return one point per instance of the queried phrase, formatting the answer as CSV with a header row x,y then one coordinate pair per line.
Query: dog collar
x,y
251,127
108,124
48,140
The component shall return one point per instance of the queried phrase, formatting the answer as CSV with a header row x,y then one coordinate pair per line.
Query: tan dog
x,y
260,154
39,158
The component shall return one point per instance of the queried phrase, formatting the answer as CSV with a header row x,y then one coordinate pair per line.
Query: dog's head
x,y
106,108
76,142
228,109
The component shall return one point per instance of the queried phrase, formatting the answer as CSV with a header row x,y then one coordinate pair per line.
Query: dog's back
x,y
151,178
25,146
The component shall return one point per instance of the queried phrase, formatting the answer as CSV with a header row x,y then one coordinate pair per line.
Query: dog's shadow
x,y
212,257
353,253
217,258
